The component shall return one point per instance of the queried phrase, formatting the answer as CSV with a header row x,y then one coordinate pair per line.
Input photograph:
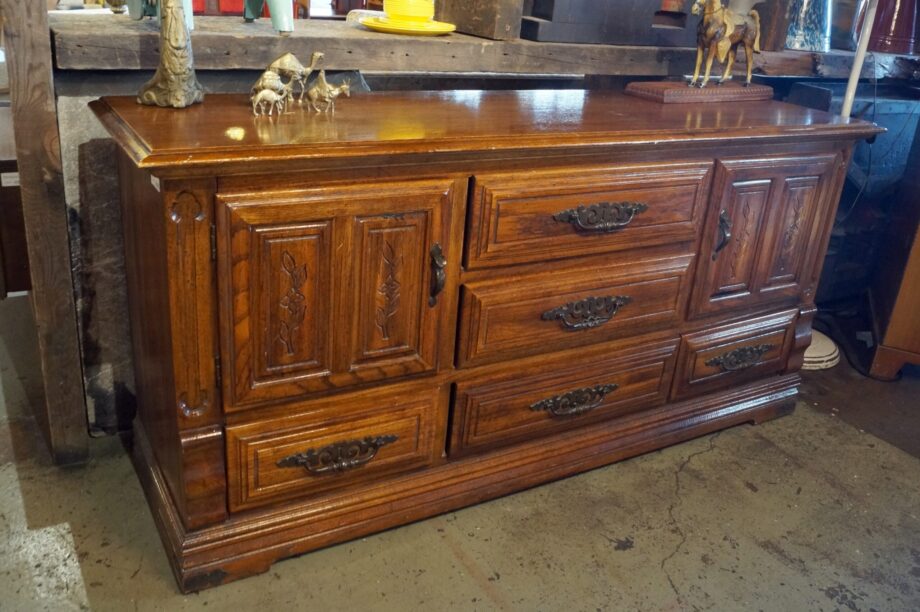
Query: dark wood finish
x,y
414,417
331,287
14,252
677,92
338,412
62,418
518,218
506,317
724,356
895,291
494,19
764,247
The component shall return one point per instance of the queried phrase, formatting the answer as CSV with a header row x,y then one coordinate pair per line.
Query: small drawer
x,y
527,401
526,315
724,356
533,216
334,443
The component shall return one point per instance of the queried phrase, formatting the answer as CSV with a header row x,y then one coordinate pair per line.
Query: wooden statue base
x,y
679,92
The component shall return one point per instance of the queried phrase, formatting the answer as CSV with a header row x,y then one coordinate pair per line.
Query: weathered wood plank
x,y
85,42
28,48
223,43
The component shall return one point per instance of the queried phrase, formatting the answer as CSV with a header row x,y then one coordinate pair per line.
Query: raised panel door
x,y
330,287
762,233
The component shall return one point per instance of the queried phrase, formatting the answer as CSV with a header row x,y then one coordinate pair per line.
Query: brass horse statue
x,y
720,32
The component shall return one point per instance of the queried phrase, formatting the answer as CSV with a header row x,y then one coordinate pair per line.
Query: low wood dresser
x,y
343,323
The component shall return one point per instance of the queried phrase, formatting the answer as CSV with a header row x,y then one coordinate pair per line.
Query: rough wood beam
x,y
226,43
28,49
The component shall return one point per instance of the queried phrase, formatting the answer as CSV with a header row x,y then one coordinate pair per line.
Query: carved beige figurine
x,y
174,83
720,32
322,91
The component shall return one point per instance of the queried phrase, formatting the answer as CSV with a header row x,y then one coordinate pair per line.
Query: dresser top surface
x,y
223,128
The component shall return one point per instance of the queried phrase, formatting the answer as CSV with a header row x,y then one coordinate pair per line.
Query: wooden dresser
x,y
346,323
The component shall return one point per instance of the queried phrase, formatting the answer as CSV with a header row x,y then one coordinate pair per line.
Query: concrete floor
x,y
814,511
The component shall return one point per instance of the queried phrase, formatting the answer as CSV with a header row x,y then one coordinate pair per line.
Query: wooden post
x,y
28,56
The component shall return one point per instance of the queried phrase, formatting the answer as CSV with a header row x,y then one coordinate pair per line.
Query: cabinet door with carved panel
x,y
764,229
330,287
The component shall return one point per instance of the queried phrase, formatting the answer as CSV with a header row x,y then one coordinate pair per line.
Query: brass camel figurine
x,y
720,33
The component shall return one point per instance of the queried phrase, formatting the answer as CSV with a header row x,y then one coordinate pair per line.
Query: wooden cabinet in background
x,y
339,328
895,290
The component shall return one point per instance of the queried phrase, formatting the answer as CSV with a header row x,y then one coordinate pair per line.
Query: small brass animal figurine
x,y
273,100
720,33
322,91
290,67
272,93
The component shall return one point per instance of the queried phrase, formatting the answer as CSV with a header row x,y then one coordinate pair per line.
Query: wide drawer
x,y
334,443
528,401
518,316
724,356
533,216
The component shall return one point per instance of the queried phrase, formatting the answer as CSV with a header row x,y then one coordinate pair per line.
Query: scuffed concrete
x,y
802,513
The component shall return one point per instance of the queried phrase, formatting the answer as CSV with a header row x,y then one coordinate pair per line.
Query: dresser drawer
x,y
716,358
532,216
526,315
334,443
528,401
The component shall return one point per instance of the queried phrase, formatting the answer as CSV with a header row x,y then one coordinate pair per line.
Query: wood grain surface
x,y
220,43
28,48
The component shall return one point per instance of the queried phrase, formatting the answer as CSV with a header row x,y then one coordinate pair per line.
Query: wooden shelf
x,y
113,42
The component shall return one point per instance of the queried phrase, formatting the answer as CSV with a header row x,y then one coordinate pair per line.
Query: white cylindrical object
x,y
860,57
282,13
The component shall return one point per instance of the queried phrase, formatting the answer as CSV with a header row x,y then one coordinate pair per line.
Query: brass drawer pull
x,y
725,233
587,313
741,358
575,402
438,273
602,218
338,457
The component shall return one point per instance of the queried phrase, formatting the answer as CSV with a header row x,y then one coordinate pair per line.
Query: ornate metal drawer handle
x,y
575,402
603,217
741,358
725,233
587,313
338,457
438,273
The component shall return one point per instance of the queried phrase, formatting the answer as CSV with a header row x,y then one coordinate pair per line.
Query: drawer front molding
x,y
728,355
541,311
549,394
546,215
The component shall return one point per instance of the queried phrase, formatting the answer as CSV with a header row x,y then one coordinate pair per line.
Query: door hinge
x,y
213,242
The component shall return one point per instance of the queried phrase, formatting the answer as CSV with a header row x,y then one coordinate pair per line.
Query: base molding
x,y
248,543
